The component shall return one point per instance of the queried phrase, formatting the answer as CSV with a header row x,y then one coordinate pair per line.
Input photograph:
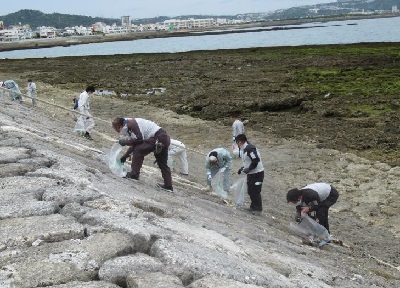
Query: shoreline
x,y
78,40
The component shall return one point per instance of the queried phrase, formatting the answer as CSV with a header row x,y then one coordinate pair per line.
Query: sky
x,y
153,8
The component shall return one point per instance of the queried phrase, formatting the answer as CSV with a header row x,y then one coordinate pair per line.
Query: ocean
x,y
334,32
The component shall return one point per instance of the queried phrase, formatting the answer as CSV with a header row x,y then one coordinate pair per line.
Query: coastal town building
x,y
16,33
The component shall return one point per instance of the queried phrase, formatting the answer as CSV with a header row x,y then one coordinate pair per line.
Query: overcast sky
x,y
152,8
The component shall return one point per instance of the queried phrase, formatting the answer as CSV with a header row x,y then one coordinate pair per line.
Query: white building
x,y
16,33
189,23
125,21
47,32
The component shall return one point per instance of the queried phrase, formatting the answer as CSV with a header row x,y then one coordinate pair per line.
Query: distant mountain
x,y
36,19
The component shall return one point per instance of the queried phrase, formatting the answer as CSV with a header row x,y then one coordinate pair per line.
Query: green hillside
x,y
36,19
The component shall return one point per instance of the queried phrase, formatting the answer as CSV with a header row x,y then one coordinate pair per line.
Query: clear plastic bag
x,y
80,125
235,150
239,189
310,230
217,184
113,161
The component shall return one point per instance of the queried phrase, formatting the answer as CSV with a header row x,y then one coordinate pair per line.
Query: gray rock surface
x,y
117,270
154,280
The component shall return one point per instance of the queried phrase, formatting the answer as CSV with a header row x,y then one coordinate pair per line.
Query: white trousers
x,y
181,152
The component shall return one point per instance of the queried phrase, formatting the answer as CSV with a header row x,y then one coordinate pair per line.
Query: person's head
x,y
90,89
241,139
213,158
234,116
118,124
293,195
29,80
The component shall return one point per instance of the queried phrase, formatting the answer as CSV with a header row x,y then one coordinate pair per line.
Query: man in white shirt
x,y
318,197
143,137
85,122
237,129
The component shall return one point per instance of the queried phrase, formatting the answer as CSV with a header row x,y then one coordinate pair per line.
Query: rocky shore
x,y
67,221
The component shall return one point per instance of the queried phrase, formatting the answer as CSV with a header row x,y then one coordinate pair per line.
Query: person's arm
x,y
311,198
135,135
253,155
227,160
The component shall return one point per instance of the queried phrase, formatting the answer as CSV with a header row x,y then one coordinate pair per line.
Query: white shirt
x,y
237,127
323,189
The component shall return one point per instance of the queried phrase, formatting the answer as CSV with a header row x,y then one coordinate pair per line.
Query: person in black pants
x,y
253,167
318,197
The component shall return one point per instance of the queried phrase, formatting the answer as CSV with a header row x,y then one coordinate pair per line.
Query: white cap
x,y
213,159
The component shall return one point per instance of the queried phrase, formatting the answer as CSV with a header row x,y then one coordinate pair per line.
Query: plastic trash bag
x,y
113,161
217,184
239,189
80,125
310,230
235,150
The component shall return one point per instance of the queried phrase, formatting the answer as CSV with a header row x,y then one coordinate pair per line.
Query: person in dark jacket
x,y
144,137
318,197
254,169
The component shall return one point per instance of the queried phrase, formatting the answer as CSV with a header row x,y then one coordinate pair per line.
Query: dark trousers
x,y
146,148
254,186
322,211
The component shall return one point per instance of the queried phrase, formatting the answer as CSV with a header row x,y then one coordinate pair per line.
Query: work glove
x,y
123,159
234,139
209,178
222,170
122,142
246,170
240,170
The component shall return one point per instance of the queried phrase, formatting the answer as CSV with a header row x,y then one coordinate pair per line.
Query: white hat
x,y
213,159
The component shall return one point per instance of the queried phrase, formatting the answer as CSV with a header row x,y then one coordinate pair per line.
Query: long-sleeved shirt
x,y
224,159
237,127
251,158
84,102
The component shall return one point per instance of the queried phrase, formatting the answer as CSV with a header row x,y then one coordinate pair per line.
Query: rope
x,y
78,113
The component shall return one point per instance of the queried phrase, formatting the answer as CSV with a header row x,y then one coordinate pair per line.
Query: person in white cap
x,y
178,148
219,159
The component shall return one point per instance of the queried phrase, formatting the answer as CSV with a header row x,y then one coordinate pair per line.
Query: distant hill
x,y
36,19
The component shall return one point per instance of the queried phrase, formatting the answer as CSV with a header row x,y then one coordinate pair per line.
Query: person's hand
x,y
305,210
209,178
234,139
123,159
222,170
240,170
246,170
122,142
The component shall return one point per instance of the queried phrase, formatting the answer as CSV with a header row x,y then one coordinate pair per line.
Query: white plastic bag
x,y
113,161
235,150
310,230
239,189
217,184
80,125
